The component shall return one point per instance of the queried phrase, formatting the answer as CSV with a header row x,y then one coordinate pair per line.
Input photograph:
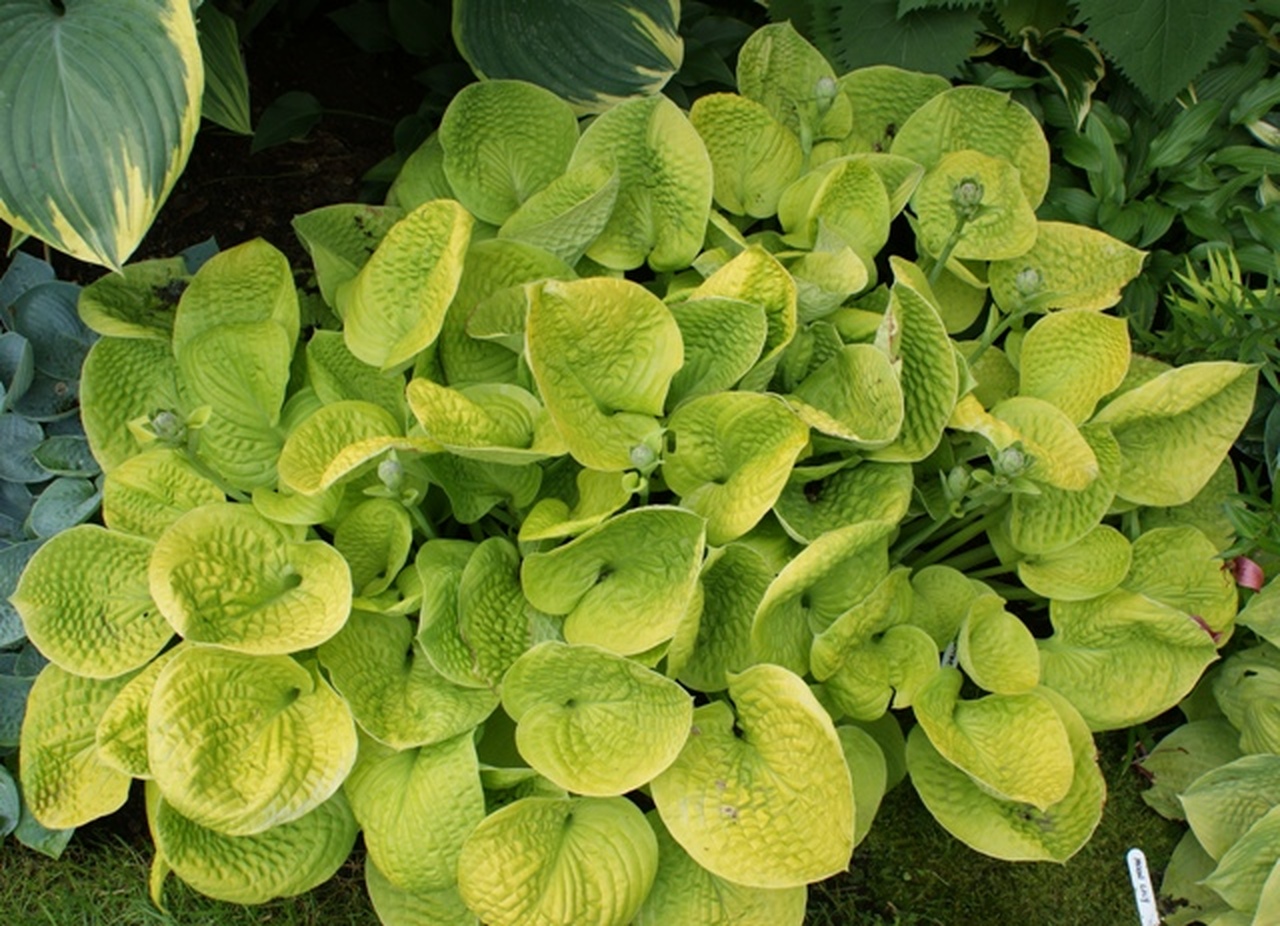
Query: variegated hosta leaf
x,y
503,141
396,695
771,806
1092,566
124,379
1184,755
1123,658
854,396
1016,746
84,601
1178,566
1072,359
65,782
338,375
883,98
722,338
340,240
336,442
598,496
568,214
782,71
728,458
592,722
283,861
394,307
917,336
122,729
815,587
374,538
1069,267
241,744
582,860
1003,225
982,120
664,184
1225,802
1192,415
225,575
603,352
243,285
395,907
814,502
1057,518
845,197
65,72
754,157
733,580
137,302
1012,830
591,54
147,493
493,422
996,649
685,892
416,808
1245,689
625,584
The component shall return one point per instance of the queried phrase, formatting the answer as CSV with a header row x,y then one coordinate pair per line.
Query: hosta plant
x,y
648,516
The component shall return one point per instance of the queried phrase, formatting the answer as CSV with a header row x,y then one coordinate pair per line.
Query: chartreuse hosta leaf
x,y
728,457
940,602
137,302
771,807
338,375
1184,755
1122,658
814,501
1060,455
603,352
814,588
591,54
98,208
396,907
1178,566
225,575
394,307
1092,566
1074,358
754,157
396,695
722,337
625,584
664,184
1191,414
283,861
981,120
337,441
124,379
1245,868
122,729
587,860
1056,518
598,495
416,808
246,284
374,539
685,892
1245,691
1008,829
493,422
1225,802
845,197
1068,267
241,744
65,782
148,492
341,238
85,603
1002,225
883,98
791,78
855,396
503,141
568,214
1206,512
996,649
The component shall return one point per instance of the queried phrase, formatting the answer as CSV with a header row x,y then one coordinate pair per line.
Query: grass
x,y
908,872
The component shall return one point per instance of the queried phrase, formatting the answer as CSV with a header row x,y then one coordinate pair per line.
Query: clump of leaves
x,y
592,567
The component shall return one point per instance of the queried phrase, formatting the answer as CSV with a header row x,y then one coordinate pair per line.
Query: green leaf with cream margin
x,y
241,744
126,73
728,458
85,603
540,859
592,54
603,352
1008,829
1068,267
624,585
772,807
1191,414
222,574
593,722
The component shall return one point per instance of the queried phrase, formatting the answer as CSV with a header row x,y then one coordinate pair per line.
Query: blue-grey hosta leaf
x,y
593,54
17,368
13,559
19,439
67,455
126,73
46,316
10,803
64,503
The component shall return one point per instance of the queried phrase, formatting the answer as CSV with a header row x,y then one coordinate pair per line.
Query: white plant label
x,y
1144,894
